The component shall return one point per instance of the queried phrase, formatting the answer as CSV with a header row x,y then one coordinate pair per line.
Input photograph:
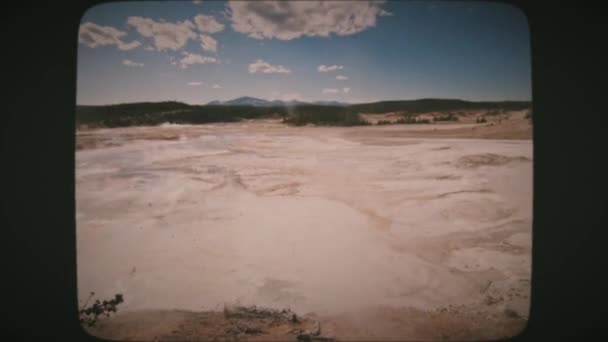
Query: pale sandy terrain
x,y
378,232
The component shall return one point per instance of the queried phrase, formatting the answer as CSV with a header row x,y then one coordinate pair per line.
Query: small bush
x,y
481,119
89,315
409,120
449,117
383,122
494,112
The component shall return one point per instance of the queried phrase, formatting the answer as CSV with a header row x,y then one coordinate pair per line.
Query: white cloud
x,y
194,84
216,86
208,24
346,90
331,91
93,35
149,48
328,68
384,13
166,35
192,58
286,20
266,68
197,2
129,46
130,63
341,77
208,43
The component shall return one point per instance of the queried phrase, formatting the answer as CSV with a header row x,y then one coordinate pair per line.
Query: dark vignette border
x,y
38,198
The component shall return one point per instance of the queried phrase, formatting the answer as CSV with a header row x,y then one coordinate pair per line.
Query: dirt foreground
x,y
451,323
398,232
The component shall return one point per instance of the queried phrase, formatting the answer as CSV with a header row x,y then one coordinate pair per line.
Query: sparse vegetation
x,y
149,113
436,105
494,112
251,312
88,315
448,117
481,119
409,119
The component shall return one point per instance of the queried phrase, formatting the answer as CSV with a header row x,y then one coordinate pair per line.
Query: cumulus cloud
x,y
341,77
129,46
331,91
328,68
208,24
216,86
346,90
194,84
93,35
267,68
130,63
286,20
192,58
166,35
208,43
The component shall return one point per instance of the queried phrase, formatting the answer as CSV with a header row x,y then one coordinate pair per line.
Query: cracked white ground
x,y
308,218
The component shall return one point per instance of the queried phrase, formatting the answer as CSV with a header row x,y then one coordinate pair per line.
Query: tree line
x,y
154,113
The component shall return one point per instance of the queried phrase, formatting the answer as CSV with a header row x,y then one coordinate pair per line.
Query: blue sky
x,y
196,52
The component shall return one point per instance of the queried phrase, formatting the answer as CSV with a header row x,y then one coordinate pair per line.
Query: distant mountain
x,y
255,102
244,101
289,103
331,103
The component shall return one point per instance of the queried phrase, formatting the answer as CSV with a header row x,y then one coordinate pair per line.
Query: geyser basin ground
x,y
320,220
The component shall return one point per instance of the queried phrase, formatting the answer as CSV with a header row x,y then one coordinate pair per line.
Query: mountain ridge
x,y
257,102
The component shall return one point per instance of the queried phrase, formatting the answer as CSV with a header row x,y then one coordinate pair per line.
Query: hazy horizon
x,y
312,102
358,52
